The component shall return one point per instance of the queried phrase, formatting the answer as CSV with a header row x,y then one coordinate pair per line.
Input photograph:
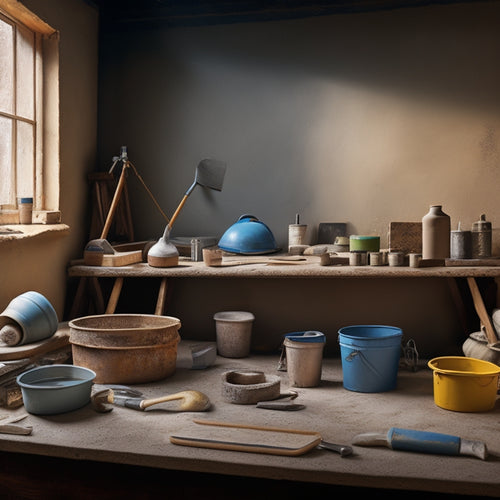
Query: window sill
x,y
10,232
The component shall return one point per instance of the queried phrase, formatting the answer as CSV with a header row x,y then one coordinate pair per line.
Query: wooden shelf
x,y
312,269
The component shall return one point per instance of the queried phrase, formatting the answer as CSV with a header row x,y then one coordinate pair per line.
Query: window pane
x,y
7,65
25,159
7,194
25,74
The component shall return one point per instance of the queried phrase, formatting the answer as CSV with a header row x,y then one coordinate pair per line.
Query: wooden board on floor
x,y
57,341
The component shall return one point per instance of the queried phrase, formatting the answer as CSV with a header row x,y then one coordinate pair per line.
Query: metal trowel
x,y
210,174
190,400
423,442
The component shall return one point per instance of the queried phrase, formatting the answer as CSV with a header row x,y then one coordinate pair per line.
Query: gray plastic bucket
x,y
370,357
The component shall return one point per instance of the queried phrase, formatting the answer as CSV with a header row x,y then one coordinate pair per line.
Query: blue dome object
x,y
249,236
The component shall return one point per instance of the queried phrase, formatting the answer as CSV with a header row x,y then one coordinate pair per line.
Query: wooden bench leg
x,y
115,295
484,317
77,301
97,293
162,297
459,304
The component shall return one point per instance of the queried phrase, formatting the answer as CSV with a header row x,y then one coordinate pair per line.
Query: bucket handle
x,y
282,361
364,360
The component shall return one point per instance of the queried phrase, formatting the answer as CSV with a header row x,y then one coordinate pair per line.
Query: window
x,y
29,124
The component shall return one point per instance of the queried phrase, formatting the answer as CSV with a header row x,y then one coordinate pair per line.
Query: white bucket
x,y
234,333
304,358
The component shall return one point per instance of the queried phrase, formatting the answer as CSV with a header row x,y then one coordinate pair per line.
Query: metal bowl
x,y
53,389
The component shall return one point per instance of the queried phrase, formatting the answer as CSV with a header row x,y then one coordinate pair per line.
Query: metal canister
x,y
196,250
481,238
461,244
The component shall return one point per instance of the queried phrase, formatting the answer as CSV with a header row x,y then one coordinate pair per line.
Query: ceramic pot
x,y
436,229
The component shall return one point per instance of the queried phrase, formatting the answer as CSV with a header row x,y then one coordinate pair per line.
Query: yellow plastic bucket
x,y
464,384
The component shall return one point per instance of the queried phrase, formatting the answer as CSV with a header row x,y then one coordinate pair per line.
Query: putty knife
x,y
423,442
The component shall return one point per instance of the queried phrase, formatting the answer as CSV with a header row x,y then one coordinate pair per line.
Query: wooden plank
x,y
492,261
117,259
58,340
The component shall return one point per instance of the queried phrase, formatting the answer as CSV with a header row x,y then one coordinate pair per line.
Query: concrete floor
x,y
132,440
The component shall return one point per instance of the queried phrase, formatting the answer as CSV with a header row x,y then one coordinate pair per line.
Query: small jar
x,y
25,210
376,259
357,258
414,259
396,259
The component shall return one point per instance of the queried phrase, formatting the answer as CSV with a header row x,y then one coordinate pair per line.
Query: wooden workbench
x,y
310,269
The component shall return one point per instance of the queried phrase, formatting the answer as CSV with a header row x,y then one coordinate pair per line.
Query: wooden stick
x,y
114,203
481,311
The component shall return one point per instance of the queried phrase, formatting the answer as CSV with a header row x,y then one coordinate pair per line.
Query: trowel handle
x,y
423,441
146,403
176,213
433,442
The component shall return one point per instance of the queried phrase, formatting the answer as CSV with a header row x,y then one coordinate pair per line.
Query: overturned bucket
x,y
370,357
32,315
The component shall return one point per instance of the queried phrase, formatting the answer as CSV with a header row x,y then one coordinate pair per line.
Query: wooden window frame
x,y
46,174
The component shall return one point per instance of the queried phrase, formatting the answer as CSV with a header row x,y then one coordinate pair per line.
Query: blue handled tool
x,y
423,442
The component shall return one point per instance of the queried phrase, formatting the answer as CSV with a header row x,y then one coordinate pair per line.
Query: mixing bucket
x,y
370,357
464,384
304,356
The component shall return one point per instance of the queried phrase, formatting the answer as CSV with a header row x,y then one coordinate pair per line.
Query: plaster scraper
x,y
423,442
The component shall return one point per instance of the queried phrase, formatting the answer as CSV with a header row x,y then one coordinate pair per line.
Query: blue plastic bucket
x,y
370,357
